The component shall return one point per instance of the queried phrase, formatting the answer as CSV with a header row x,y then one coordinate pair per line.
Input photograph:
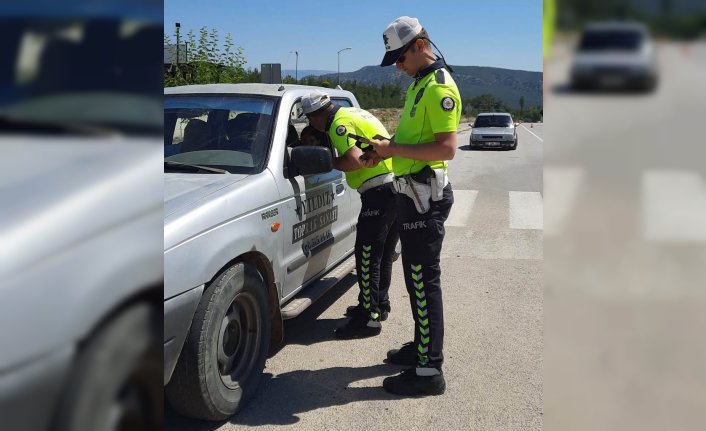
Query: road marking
x,y
462,207
540,139
561,188
673,206
526,210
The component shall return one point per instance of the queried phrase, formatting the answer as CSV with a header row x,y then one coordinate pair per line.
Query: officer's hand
x,y
382,147
369,159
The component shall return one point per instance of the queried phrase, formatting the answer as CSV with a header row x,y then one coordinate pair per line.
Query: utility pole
x,y
339,63
178,25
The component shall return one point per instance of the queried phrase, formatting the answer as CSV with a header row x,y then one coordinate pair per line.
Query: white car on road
x,y
494,130
615,55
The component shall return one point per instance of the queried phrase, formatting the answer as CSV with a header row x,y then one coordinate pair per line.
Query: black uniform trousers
x,y
375,243
421,236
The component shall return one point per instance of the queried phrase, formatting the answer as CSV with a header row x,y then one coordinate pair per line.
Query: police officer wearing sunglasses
x,y
425,139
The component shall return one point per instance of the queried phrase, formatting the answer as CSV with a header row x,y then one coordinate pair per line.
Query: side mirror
x,y
309,160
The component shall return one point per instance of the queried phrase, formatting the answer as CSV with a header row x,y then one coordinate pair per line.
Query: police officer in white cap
x,y
376,235
424,140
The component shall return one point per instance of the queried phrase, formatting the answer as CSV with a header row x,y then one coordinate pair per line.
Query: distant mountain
x,y
505,84
306,72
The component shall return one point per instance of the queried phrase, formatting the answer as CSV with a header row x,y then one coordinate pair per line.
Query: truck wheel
x,y
115,383
224,354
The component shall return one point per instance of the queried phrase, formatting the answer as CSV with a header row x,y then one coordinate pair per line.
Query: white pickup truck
x,y
255,229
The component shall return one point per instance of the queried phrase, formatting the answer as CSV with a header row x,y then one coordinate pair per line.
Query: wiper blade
x,y
13,124
192,168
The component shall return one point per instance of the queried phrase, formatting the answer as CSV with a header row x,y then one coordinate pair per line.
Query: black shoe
x,y
406,355
410,384
358,328
359,310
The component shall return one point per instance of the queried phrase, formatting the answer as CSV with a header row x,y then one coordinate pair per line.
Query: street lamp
x,y
296,66
339,63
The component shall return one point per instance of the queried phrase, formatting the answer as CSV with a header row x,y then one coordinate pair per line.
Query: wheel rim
x,y
239,340
135,406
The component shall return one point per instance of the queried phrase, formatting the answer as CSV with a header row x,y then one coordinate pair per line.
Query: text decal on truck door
x,y
314,223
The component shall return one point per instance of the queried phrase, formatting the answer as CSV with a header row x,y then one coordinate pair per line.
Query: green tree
x,y
206,62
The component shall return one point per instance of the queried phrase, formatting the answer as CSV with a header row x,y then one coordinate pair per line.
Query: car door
x,y
316,214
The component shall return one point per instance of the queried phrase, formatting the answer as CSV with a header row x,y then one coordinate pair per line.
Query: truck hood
x,y
184,190
56,192
195,203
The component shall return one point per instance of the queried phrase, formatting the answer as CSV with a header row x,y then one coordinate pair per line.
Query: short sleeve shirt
x,y
432,105
362,123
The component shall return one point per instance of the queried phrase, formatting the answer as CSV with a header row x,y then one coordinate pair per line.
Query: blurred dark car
x,y
615,55
81,267
494,130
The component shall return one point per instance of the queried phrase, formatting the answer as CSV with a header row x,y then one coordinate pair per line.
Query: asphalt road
x,y
492,285
625,246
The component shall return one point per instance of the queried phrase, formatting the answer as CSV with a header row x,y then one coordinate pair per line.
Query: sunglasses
x,y
402,57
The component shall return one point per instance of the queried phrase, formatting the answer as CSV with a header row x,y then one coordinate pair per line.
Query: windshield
x,y
81,71
493,121
231,132
611,40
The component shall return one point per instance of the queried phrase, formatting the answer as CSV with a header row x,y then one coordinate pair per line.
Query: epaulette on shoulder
x,y
440,76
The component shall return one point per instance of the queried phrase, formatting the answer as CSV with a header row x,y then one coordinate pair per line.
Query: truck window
x,y
232,133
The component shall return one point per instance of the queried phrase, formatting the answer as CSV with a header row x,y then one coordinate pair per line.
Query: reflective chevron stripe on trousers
x,y
422,236
376,238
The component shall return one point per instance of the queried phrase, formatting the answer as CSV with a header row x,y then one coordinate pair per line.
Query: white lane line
x,y
673,206
462,207
561,189
540,139
526,210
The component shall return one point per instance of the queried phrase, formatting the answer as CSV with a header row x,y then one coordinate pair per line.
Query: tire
x,y
116,381
514,145
225,351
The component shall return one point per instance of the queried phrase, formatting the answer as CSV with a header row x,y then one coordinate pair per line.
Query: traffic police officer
x,y
425,139
376,234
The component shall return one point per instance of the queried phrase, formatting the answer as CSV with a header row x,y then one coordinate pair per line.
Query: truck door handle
x,y
340,189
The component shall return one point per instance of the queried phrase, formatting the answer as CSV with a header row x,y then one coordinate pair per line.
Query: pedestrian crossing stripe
x,y
525,209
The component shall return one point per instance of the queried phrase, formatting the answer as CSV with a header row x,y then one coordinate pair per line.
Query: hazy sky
x,y
497,33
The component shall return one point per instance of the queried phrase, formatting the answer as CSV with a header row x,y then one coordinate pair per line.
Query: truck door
x,y
317,216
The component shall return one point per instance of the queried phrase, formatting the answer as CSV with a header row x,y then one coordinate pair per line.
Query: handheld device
x,y
359,141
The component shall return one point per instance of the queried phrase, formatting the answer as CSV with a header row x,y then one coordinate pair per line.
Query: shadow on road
x,y
304,390
280,399
307,329
566,89
468,148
